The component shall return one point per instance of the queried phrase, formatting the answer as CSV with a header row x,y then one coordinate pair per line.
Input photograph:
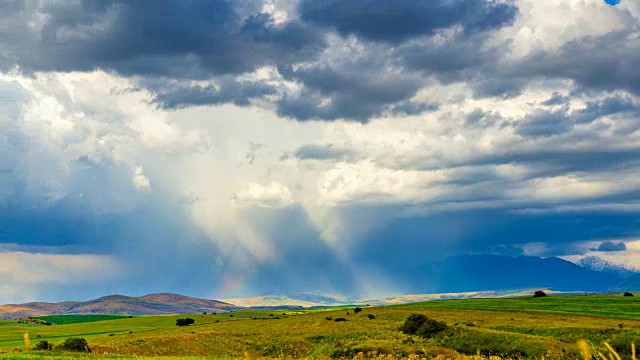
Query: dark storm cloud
x,y
184,39
608,106
352,89
209,39
556,99
397,21
451,59
498,88
609,246
605,62
227,90
320,152
549,123
413,108
544,123
480,118
567,160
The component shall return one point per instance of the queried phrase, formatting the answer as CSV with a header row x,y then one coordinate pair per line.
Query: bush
x,y
329,318
185,322
627,294
75,344
431,327
539,293
371,316
357,310
418,324
340,320
413,323
44,345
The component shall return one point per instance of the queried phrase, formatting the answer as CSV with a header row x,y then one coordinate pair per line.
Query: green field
x,y
516,328
75,319
605,306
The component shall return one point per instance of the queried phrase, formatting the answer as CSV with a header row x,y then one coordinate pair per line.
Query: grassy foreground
x,y
548,327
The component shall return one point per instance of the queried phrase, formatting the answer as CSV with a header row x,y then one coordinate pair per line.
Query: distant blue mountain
x,y
496,272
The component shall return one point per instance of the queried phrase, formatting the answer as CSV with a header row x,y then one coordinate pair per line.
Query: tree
x,y
357,310
44,345
539,293
75,344
185,322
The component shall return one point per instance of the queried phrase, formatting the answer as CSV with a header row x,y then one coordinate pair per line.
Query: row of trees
x,y
70,344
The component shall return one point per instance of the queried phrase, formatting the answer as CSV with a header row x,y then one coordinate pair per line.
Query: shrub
x,y
185,322
340,320
627,294
418,324
75,344
371,316
329,318
539,293
357,310
431,327
413,323
44,345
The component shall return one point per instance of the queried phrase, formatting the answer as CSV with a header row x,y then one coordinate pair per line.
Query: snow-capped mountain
x,y
596,263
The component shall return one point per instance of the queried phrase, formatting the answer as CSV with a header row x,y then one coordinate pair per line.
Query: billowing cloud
x,y
610,246
308,146
402,20
196,41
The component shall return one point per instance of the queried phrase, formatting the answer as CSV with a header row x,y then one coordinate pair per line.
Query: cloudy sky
x,y
230,148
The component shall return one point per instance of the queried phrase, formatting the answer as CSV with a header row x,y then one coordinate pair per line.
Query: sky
x,y
234,148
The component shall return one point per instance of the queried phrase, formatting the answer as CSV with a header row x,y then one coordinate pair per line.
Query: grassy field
x,y
75,319
605,306
516,328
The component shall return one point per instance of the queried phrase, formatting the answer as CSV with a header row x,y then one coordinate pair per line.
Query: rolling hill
x,y
154,304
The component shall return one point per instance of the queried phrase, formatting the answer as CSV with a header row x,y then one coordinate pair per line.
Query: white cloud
x,y
629,258
140,181
273,195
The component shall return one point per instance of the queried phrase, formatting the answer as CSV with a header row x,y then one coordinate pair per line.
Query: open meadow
x,y
549,327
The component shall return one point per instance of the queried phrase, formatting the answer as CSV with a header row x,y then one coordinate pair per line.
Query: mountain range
x,y
154,304
495,272
464,276
598,264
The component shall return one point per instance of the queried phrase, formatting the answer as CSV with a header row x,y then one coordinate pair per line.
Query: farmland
x,y
519,327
